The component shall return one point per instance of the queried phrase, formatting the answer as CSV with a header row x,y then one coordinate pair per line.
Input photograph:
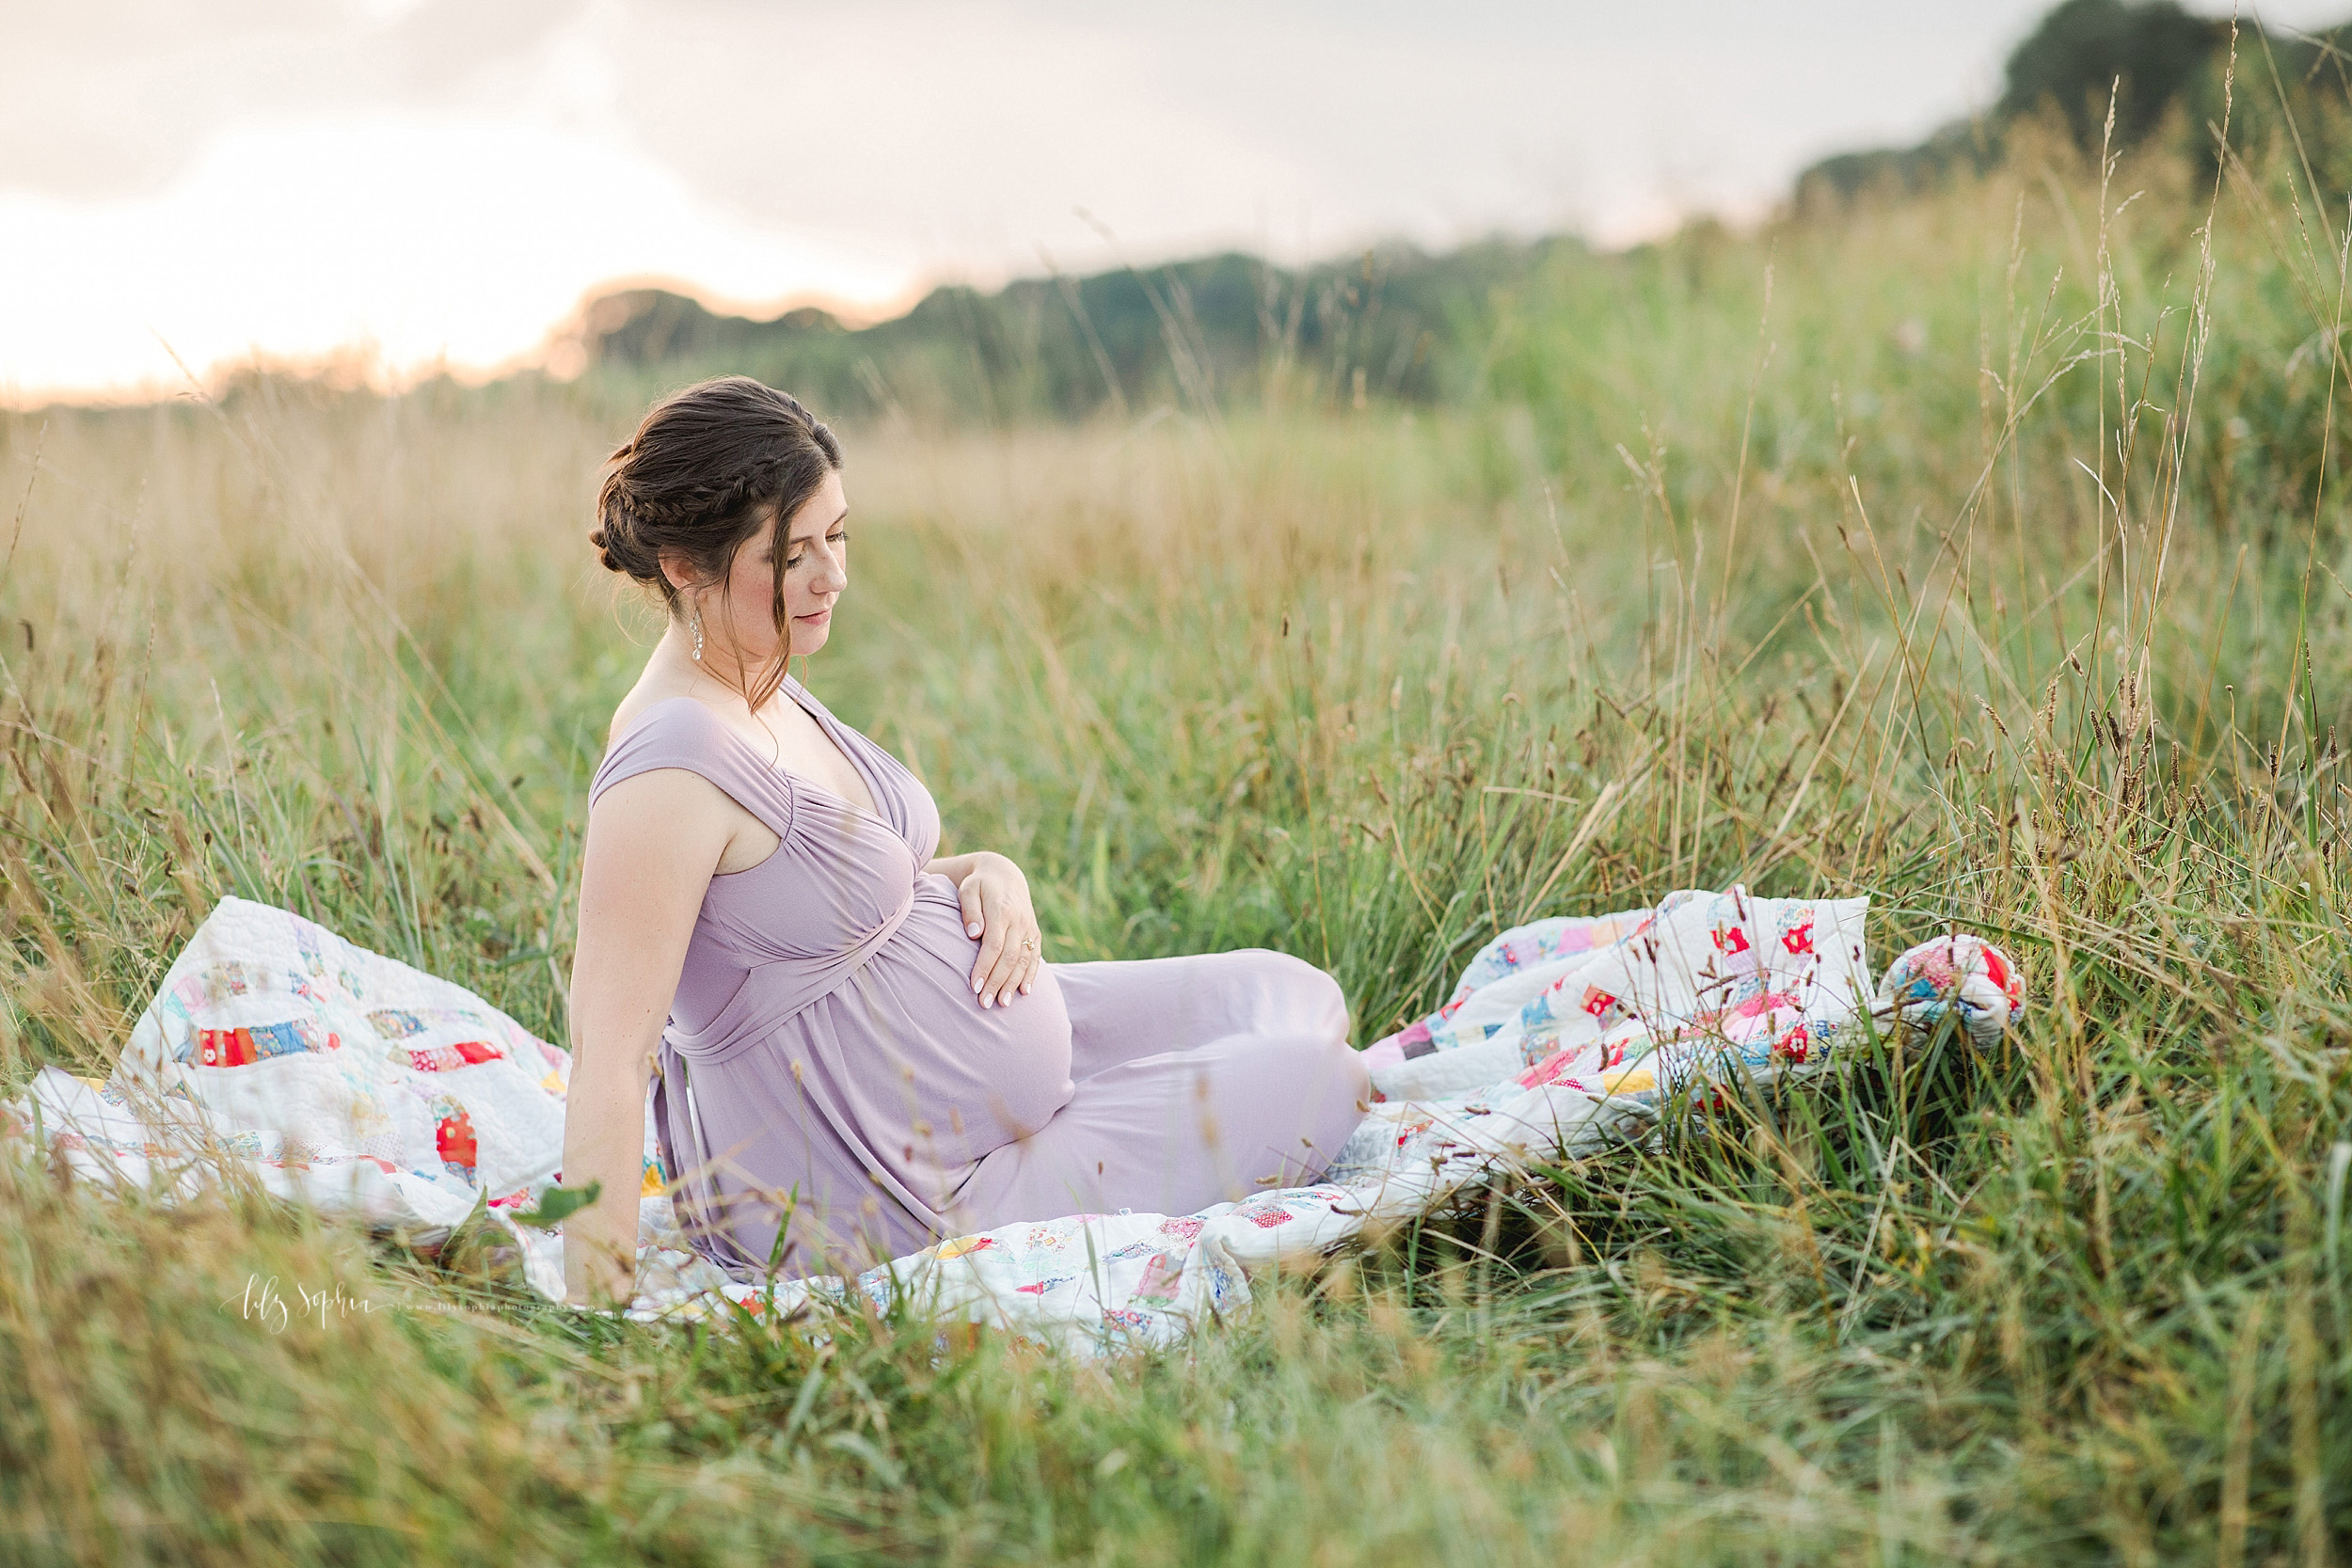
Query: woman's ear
x,y
676,567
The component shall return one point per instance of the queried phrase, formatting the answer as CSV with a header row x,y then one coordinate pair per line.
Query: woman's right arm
x,y
654,840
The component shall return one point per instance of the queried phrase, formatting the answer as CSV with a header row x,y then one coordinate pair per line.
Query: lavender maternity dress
x,y
827,1073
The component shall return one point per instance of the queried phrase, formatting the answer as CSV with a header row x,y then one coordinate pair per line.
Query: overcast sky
x,y
444,180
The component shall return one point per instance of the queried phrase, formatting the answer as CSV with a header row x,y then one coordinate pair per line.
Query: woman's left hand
x,y
996,908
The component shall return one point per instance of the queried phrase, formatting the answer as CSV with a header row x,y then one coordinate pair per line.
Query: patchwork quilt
x,y
345,1080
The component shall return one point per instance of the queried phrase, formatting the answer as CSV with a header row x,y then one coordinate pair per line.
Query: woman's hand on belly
x,y
994,895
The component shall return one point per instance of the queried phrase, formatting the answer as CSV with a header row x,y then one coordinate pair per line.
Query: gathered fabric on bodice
x,y
850,877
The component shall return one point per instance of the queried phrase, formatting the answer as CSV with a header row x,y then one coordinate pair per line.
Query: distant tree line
x,y
1382,325
2142,61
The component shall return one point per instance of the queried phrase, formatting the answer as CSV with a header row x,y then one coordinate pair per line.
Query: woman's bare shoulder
x,y
666,783
663,791
641,698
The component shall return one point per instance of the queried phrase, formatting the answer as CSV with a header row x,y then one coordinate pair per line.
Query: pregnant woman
x,y
860,1047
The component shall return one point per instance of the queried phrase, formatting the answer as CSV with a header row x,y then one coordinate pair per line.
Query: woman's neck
x,y
674,664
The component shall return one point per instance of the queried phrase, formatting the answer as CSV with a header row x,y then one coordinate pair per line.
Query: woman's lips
x,y
818,619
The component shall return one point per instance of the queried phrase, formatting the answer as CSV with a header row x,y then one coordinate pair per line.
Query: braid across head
x,y
709,468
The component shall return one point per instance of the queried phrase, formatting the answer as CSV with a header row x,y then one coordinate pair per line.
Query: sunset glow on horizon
x,y
409,186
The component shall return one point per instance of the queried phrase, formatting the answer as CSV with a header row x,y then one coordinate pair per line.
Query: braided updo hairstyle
x,y
709,468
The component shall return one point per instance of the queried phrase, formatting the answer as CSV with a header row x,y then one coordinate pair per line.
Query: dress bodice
x,y
840,881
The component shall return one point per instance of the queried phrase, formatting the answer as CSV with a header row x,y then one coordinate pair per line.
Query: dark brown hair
x,y
709,468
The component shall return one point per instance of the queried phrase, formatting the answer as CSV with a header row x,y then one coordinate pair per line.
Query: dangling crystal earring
x,y
695,617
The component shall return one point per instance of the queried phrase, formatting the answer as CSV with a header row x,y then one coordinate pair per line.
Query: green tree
x,y
2146,55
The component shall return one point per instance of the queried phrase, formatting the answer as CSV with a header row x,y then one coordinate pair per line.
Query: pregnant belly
x,y
981,1076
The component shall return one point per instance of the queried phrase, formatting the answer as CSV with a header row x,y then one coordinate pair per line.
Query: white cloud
x,y
108,98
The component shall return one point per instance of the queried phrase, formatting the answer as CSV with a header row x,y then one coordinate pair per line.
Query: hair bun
x,y
604,549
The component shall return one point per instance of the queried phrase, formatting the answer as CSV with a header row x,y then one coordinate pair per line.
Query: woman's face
x,y
816,545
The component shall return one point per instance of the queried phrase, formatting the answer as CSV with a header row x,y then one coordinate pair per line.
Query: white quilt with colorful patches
x,y
356,1084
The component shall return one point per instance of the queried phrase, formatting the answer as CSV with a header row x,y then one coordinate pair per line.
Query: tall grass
x,y
1979,553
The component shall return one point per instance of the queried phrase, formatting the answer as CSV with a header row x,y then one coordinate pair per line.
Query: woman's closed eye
x,y
838,536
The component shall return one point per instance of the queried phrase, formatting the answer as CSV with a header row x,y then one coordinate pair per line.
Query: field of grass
x,y
1980,553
